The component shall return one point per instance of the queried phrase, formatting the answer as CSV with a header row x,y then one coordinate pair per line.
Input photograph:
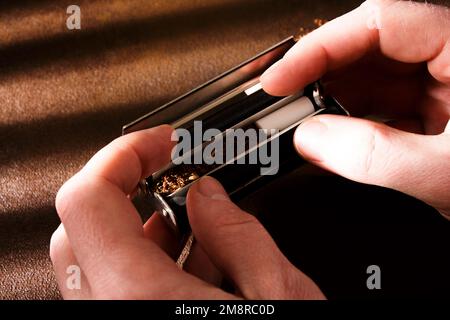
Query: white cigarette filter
x,y
288,115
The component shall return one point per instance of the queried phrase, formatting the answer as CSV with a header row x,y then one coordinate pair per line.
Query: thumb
x,y
241,248
374,153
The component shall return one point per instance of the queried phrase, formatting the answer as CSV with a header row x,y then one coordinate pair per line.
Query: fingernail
x,y
271,69
211,188
308,139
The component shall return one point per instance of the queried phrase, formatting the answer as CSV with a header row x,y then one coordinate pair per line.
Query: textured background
x,y
64,94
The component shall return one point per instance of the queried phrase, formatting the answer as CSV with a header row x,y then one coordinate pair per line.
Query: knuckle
x,y
367,163
55,246
236,221
65,197
73,196
376,148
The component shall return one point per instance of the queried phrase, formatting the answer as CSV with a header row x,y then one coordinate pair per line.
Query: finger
x,y
157,230
338,42
241,248
64,260
377,154
100,220
200,265
197,264
106,232
130,158
390,26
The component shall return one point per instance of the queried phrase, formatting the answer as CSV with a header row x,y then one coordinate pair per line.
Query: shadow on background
x,y
64,134
27,230
88,43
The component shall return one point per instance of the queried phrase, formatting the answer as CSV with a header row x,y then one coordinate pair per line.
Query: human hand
x,y
119,258
386,58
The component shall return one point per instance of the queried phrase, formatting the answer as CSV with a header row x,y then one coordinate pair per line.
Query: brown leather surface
x,y
64,94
